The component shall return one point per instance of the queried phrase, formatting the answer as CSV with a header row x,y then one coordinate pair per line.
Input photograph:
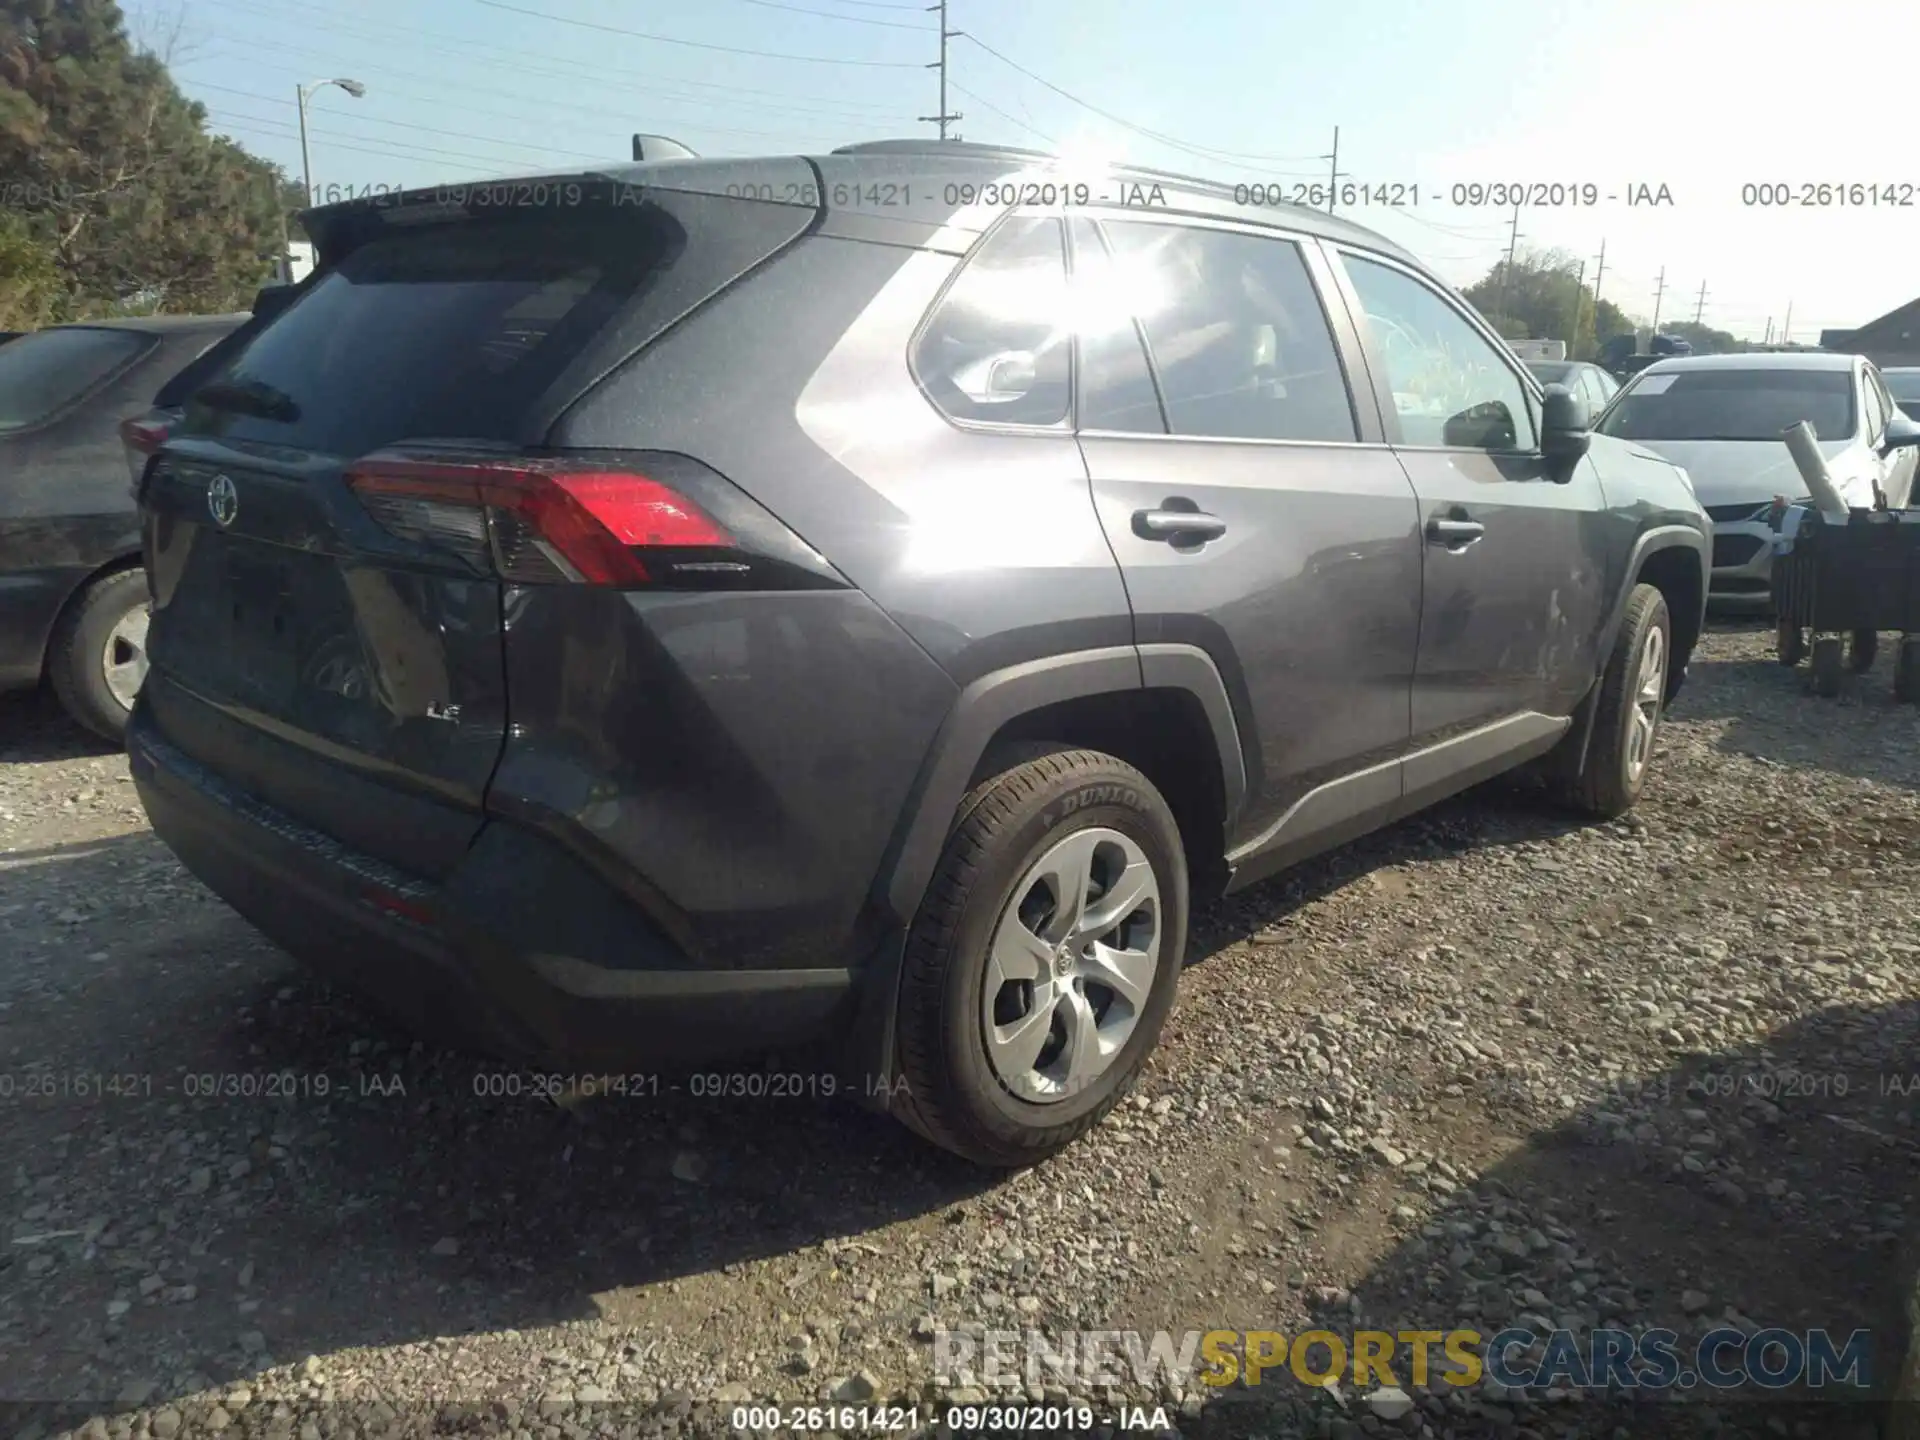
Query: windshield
x,y
1732,405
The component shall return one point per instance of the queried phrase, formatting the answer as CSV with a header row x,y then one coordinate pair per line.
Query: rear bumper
x,y
462,959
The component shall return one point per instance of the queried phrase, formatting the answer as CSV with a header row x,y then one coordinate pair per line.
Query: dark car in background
x,y
750,603
1583,378
73,600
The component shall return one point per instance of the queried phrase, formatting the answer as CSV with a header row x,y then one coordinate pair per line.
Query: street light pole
x,y
305,93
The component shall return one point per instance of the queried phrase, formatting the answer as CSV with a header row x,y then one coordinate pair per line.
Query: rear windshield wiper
x,y
249,397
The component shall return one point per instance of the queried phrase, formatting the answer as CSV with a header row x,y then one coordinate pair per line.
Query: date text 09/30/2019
x,y
987,1418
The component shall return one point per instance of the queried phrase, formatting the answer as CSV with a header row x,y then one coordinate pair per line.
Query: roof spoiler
x,y
659,147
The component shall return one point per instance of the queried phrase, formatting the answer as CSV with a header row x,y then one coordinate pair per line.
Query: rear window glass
x,y
204,366
1733,404
43,373
456,331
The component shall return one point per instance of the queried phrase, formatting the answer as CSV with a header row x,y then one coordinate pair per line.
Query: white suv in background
x,y
1720,417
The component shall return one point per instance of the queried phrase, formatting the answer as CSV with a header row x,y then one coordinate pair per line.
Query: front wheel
x,y
1631,704
1044,960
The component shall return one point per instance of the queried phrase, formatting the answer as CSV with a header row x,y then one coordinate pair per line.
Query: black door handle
x,y
1177,525
1454,534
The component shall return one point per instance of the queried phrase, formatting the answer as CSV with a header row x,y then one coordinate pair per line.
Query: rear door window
x,y
1235,332
462,330
48,371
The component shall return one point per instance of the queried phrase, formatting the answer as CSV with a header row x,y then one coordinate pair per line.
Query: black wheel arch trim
x,y
990,702
977,714
1649,542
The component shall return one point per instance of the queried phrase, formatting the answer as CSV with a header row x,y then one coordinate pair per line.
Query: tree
x,y
1544,295
112,171
30,286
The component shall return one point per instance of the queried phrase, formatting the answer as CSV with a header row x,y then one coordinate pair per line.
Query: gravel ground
x,y
1487,1067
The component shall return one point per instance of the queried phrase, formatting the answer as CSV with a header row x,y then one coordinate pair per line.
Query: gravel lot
x,y
1484,1066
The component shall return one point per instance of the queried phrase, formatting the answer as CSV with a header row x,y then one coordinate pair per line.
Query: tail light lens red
x,y
558,519
143,434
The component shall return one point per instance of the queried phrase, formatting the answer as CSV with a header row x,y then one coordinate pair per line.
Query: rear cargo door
x,y
342,658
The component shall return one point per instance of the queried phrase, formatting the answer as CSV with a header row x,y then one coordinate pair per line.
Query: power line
x,y
1205,152
518,62
694,44
829,15
597,112
1014,119
425,129
281,129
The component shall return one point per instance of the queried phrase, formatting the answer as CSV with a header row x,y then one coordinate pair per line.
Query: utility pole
x,y
1579,304
1769,339
1599,275
1506,275
1700,308
1786,330
1660,289
944,118
1333,171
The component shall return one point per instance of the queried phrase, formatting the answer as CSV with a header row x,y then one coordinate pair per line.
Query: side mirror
x,y
1486,426
1566,424
1902,433
997,379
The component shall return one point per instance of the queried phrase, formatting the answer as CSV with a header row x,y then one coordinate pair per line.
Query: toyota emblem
x,y
223,501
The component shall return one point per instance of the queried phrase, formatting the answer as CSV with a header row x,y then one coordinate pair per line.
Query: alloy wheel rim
x,y
123,659
1649,694
1071,965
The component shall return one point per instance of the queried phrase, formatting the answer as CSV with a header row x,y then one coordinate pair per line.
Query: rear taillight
x,y
143,435
653,521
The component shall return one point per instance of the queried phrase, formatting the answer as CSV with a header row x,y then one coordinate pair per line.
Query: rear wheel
x,y
99,656
1790,642
1862,649
1044,960
1829,666
1631,704
1906,671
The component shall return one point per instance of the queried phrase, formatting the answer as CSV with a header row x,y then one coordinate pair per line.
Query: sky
x,y
1702,97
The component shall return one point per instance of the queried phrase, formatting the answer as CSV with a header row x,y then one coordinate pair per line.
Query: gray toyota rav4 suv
x,y
708,607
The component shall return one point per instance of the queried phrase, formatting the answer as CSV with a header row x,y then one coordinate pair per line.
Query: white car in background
x,y
1720,418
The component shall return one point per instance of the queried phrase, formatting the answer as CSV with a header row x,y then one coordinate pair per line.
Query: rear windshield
x,y
202,368
457,331
1549,373
1732,405
43,373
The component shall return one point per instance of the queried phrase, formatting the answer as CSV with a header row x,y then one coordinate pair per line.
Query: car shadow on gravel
x,y
35,729
225,1164
1768,1186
